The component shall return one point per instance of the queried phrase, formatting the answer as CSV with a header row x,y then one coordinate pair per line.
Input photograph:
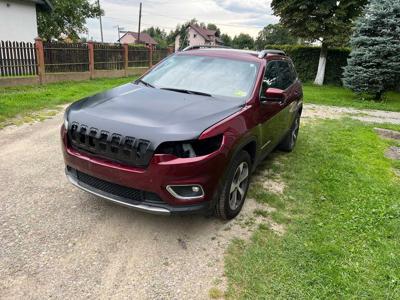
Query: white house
x,y
196,35
133,38
18,20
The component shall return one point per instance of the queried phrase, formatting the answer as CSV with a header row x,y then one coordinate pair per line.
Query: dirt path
x,y
60,242
313,111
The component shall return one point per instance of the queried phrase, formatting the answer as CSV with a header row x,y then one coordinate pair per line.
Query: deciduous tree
x,y
68,18
274,34
226,39
327,21
159,35
243,41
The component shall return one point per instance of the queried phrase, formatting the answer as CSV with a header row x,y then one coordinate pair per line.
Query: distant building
x,y
196,35
133,38
18,20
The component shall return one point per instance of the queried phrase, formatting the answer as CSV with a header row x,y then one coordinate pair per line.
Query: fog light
x,y
186,192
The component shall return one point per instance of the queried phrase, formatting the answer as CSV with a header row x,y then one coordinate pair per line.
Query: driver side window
x,y
277,75
271,77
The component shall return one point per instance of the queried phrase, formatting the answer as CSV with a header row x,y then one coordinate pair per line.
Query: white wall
x,y
128,39
195,38
18,21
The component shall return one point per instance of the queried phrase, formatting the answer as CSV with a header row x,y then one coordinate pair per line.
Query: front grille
x,y
130,195
113,146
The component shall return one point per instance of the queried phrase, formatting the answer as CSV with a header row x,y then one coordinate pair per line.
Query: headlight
x,y
186,149
66,121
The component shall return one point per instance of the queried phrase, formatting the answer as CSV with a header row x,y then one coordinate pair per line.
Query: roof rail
x,y
264,53
203,46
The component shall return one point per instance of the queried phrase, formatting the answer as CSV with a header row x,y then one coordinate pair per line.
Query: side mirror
x,y
274,95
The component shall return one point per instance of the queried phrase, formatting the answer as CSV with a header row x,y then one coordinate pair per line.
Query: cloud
x,y
246,6
232,16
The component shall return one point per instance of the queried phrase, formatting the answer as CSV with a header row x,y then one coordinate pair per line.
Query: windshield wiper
x,y
144,83
187,92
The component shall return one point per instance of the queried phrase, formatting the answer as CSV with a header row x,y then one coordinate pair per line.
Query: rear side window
x,y
279,74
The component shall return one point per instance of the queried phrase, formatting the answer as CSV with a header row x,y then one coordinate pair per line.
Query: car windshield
x,y
210,75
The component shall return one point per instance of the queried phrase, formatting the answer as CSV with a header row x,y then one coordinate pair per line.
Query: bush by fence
x,y
306,60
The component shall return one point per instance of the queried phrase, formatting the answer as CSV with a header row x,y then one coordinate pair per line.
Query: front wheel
x,y
235,187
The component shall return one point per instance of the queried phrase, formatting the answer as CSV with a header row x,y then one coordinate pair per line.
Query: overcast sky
x,y
232,16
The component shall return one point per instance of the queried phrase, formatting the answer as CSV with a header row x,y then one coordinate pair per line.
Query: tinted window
x,y
279,74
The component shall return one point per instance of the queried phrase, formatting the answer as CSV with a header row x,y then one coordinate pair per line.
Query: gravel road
x,y
60,242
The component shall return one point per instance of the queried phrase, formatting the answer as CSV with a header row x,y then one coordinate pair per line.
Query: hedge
x,y
306,60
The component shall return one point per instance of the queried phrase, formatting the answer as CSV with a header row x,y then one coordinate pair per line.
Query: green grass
x,y
343,235
339,96
19,101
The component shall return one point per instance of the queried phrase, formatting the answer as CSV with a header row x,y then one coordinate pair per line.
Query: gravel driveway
x,y
60,242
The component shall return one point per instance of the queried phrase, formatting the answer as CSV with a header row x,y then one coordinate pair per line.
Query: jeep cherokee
x,y
186,136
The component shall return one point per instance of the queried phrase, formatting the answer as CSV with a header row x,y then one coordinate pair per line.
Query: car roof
x,y
248,55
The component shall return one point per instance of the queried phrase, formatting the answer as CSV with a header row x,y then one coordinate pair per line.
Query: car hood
x,y
151,114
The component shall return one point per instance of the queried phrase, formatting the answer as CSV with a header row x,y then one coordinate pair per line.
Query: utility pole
x,y
120,30
101,23
140,20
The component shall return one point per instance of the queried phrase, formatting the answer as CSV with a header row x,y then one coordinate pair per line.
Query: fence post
x,y
40,59
170,50
126,49
150,57
91,59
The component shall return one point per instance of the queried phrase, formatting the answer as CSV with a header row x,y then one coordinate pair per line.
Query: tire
x,y
289,142
235,186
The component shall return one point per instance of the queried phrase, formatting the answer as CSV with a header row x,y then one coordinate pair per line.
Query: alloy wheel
x,y
295,131
238,186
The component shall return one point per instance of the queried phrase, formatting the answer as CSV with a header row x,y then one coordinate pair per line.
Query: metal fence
x,y
138,57
108,57
159,55
39,58
17,59
61,57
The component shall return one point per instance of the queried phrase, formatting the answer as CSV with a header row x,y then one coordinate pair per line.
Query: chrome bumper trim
x,y
139,207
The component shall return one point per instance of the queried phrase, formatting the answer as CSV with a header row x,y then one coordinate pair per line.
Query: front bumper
x,y
162,171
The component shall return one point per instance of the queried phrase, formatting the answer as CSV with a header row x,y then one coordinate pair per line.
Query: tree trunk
x,y
319,79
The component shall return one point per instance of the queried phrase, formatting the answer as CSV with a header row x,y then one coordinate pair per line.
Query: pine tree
x,y
374,63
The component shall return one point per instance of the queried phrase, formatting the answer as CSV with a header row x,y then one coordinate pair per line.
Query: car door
x,y
275,115
289,83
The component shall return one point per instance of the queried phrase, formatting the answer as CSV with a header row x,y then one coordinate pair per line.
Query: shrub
x,y
306,60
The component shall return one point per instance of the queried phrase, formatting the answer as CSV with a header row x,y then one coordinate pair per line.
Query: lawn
x,y
341,208
16,101
339,96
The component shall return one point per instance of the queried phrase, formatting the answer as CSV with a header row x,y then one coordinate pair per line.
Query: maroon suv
x,y
186,136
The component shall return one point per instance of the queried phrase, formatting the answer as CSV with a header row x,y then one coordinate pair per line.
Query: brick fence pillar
x,y
40,59
91,58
